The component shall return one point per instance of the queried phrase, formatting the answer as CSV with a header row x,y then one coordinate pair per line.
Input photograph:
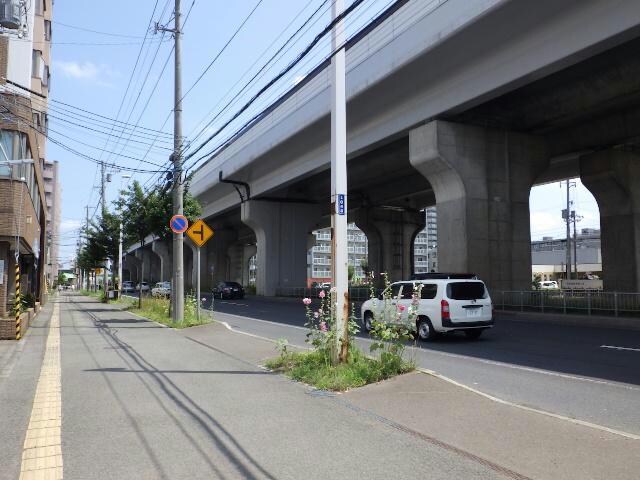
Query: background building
x,y
319,256
425,248
549,257
53,202
25,36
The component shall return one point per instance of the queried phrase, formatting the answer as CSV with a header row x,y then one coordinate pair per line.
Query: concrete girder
x,y
613,177
482,179
161,249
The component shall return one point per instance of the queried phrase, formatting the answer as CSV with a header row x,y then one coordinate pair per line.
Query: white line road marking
x,y
466,357
631,436
42,452
478,392
612,347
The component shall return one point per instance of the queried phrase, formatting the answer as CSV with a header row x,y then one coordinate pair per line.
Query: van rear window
x,y
466,290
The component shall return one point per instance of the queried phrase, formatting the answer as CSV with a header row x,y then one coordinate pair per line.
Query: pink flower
x,y
323,327
401,308
306,301
321,294
316,314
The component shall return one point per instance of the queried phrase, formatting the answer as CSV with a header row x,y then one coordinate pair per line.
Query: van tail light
x,y
444,308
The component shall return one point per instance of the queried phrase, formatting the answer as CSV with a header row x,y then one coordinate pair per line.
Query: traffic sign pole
x,y
198,283
199,233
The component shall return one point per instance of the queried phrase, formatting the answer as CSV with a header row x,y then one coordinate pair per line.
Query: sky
x,y
95,71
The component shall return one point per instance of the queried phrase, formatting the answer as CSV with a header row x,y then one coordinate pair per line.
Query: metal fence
x,y
356,294
565,301
544,301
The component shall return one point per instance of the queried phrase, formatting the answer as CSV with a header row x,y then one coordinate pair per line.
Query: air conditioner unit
x,y
10,14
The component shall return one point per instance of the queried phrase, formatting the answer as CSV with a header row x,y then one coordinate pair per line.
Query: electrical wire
x,y
109,34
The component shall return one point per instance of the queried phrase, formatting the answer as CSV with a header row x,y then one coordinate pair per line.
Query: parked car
x,y
128,287
445,305
549,285
143,288
228,290
161,289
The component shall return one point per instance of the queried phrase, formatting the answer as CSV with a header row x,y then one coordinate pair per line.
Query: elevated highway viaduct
x,y
462,104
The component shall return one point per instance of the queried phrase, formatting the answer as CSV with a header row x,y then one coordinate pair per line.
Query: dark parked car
x,y
228,290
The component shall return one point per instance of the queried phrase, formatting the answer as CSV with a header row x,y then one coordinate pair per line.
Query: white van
x,y
445,305
549,285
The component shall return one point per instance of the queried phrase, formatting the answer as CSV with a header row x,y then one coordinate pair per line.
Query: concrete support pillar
x,y
481,179
217,263
190,267
235,254
613,177
132,263
390,237
161,249
281,231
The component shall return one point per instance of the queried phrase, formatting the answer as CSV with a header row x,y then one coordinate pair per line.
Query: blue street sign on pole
x,y
341,202
179,223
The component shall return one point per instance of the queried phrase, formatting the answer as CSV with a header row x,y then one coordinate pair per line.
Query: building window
x,y
37,70
47,30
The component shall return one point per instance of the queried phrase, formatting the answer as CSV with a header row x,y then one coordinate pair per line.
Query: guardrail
x,y
589,302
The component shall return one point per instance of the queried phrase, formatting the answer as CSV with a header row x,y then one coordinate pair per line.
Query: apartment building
x,y
319,257
25,39
425,246
53,202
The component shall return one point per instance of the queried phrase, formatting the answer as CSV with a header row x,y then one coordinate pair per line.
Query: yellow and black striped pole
x,y
18,306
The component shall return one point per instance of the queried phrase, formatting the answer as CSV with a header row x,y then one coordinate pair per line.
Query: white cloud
x,y
87,71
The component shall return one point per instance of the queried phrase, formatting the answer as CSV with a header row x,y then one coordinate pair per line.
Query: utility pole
x,y
177,283
178,238
567,219
339,186
86,242
103,201
126,176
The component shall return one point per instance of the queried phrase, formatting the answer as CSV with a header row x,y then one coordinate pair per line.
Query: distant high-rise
x,y
52,200
319,258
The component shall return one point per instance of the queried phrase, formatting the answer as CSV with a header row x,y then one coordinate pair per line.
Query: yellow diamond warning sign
x,y
200,233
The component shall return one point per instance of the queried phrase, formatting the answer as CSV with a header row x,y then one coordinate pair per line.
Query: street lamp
x,y
127,176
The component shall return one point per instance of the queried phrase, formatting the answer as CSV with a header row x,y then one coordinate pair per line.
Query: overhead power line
x,y
305,24
376,20
288,68
109,34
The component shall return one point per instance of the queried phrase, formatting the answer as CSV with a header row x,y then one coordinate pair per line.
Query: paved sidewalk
x,y
441,413
142,401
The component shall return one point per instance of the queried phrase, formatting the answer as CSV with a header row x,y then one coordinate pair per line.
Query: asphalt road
x,y
559,369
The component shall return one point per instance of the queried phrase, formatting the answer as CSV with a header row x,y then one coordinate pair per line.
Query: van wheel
x,y
368,321
473,334
424,330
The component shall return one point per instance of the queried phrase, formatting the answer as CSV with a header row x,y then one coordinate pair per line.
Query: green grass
x,y
314,368
91,293
157,309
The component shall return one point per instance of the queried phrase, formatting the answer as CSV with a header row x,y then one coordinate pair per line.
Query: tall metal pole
x,y
103,201
568,221
339,186
198,283
178,260
120,244
86,242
